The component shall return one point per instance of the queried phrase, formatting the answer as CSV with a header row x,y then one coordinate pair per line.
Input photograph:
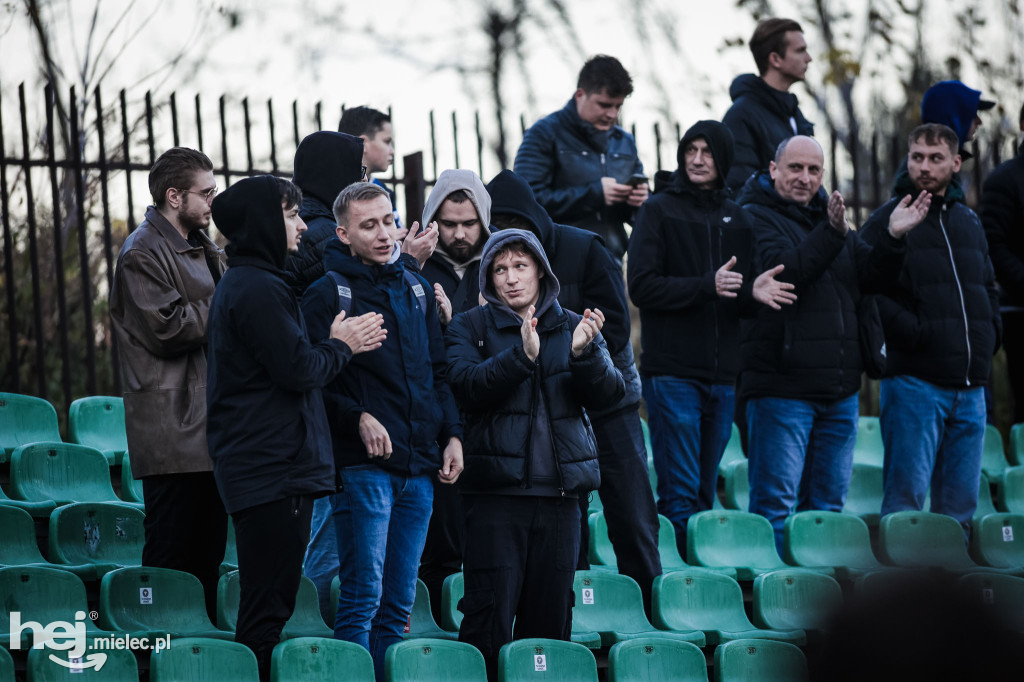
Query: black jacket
x,y
402,383
809,350
515,406
563,158
683,235
325,163
942,322
588,274
266,427
1002,215
463,293
759,119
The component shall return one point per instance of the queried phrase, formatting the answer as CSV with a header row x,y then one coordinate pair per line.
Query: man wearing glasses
x,y
159,302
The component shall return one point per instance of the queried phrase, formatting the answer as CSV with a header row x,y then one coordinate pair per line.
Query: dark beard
x,y
465,253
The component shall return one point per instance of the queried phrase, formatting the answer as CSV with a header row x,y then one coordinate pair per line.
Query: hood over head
x,y
510,193
953,104
548,290
452,180
326,163
719,139
249,214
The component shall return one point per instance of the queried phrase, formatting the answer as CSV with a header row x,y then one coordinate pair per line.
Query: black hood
x,y
249,214
719,139
511,194
326,163
783,103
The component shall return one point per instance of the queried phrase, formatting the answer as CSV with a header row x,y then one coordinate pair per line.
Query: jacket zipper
x,y
711,260
528,469
604,172
960,290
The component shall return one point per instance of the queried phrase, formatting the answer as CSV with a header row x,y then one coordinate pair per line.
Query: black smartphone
x,y
636,179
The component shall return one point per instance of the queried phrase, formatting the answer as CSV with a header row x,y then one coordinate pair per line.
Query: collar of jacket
x,y
760,189
598,139
155,218
338,258
902,186
552,318
679,184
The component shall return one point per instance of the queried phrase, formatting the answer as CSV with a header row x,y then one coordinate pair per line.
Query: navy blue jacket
x,y
563,158
401,384
265,425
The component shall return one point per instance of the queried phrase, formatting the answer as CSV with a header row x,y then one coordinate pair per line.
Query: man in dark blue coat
x,y
523,370
266,427
393,422
579,162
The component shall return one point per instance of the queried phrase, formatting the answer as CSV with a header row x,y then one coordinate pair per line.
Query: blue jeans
x,y
321,562
801,456
690,423
381,519
933,436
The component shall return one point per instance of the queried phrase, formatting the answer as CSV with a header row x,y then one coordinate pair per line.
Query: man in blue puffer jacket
x,y
523,370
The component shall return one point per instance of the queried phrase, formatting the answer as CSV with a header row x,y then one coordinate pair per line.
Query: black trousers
x,y
186,528
628,500
520,561
1013,342
446,536
272,541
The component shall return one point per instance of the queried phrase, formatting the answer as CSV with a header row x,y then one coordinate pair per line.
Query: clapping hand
x,y
586,330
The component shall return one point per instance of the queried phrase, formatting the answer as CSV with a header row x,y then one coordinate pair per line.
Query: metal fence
x,y
66,213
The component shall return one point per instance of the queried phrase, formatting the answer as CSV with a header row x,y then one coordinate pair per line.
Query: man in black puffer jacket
x,y
522,370
801,366
689,273
941,328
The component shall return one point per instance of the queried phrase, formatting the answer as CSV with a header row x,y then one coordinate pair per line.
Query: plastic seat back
x,y
999,540
320,659
731,538
790,599
737,486
667,549
155,599
733,451
18,538
230,562
1004,593
452,591
6,666
120,666
864,497
608,602
25,419
305,621
43,595
434,660
131,487
61,472
600,551
1015,453
698,600
656,660
747,660
985,504
869,448
546,659
203,660
421,619
97,533
823,538
911,538
98,422
993,456
1012,490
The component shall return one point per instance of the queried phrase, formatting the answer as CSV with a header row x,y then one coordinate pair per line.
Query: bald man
x,y
801,366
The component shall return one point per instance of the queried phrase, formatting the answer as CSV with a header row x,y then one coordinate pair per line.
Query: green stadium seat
x,y
601,552
319,659
306,620
40,510
869,448
1004,593
735,539
433,660
670,558
737,485
42,595
421,621
594,503
864,496
985,504
998,540
921,539
1015,453
105,535
792,599
18,546
197,659
6,666
23,420
694,600
61,473
230,562
1011,492
612,605
546,659
98,422
656,660
156,601
131,487
733,451
993,456
120,666
746,660
822,538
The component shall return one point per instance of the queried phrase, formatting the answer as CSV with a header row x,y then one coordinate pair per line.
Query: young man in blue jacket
x,y
523,370
392,417
266,427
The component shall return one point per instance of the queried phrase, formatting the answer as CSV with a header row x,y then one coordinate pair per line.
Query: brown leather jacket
x,y
158,306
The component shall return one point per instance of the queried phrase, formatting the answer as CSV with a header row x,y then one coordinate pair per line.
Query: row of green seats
x,y
97,421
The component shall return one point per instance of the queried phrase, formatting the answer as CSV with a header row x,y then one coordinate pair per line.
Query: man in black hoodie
x,y
266,427
589,277
689,264
764,112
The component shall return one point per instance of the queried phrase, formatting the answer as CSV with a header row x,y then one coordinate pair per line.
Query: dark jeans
x,y
446,536
186,528
627,498
519,565
271,541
